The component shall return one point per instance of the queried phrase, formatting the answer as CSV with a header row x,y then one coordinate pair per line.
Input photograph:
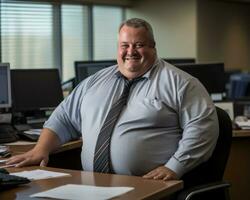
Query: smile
x,y
132,58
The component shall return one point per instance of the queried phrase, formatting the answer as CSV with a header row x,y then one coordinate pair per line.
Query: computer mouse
x,y
4,171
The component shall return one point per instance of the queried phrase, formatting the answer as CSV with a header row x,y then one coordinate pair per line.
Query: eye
x,y
139,45
124,46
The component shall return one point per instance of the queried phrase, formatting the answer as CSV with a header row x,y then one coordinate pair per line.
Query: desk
x,y
69,152
238,166
144,189
19,149
237,169
241,133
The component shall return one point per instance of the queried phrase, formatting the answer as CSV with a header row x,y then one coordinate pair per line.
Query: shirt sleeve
x,y
65,121
198,119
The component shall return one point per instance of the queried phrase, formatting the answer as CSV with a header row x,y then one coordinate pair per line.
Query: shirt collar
x,y
149,73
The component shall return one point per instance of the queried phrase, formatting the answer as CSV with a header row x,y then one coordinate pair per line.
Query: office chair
x,y
206,181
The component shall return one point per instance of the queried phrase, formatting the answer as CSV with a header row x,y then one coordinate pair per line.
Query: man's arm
x,y
198,119
39,155
62,126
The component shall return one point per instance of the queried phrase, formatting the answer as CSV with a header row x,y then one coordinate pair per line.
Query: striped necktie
x,y
102,149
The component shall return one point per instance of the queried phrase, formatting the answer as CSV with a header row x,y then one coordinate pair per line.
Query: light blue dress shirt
x,y
169,120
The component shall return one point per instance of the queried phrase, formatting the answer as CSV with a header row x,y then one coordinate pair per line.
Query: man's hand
x,y
32,157
39,155
162,173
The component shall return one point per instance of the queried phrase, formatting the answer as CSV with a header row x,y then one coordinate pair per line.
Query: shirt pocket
x,y
154,112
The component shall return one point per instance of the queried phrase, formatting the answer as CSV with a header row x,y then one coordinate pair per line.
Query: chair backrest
x,y
213,169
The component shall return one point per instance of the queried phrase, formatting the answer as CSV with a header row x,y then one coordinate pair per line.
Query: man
x,y
167,126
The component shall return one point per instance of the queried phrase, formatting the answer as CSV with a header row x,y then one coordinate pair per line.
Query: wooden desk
x,y
69,152
144,189
238,165
18,149
241,133
237,169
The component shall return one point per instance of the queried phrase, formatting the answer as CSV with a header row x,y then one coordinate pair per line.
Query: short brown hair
x,y
140,23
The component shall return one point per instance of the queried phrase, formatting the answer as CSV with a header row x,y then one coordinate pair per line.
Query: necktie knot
x,y
129,83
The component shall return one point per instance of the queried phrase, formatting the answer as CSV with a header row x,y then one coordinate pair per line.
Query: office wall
x,y
224,33
209,30
174,24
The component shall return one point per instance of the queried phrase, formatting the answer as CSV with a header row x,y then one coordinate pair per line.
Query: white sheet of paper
x,y
33,131
80,192
3,161
39,174
3,148
243,124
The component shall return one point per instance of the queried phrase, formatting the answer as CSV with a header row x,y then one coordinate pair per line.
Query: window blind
x,y
27,34
74,37
37,34
106,21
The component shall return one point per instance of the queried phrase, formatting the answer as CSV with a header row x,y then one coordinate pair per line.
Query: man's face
x,y
136,53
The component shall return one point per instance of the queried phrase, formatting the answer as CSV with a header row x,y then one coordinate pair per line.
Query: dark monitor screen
x,y
211,75
83,69
239,87
5,88
179,60
35,89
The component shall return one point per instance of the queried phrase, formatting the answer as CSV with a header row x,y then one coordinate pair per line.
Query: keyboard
x,y
9,181
7,134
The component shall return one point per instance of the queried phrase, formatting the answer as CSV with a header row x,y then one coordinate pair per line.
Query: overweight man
x,y
141,117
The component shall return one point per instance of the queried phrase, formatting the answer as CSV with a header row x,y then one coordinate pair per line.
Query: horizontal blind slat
x,y
27,34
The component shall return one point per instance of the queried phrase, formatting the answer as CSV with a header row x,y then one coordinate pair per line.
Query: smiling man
x,y
136,51
141,117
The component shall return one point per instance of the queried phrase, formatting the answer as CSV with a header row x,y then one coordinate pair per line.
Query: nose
x,y
131,50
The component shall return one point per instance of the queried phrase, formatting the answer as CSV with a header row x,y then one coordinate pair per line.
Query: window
x,y
53,35
75,41
106,21
26,35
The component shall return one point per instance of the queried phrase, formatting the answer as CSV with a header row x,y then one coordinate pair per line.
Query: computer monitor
x,y
228,83
179,60
5,86
35,89
239,86
211,75
83,69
